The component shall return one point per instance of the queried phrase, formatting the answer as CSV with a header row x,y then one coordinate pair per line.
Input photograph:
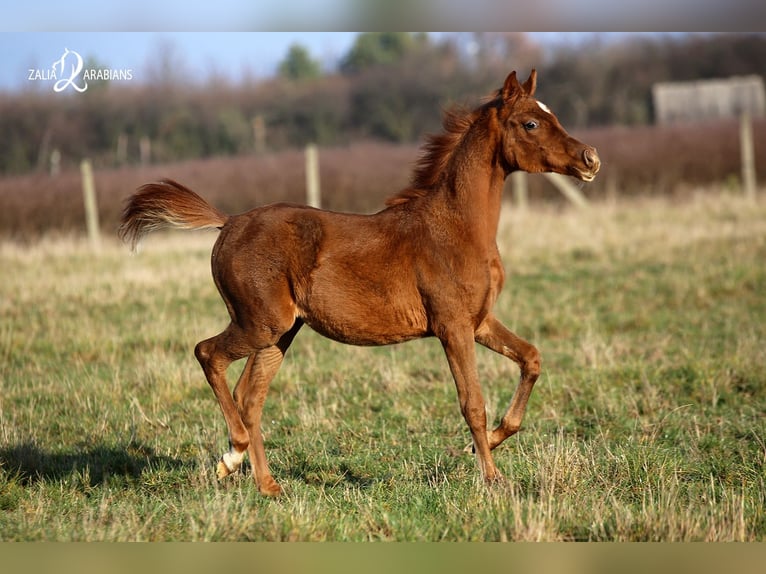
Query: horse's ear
x,y
531,84
511,86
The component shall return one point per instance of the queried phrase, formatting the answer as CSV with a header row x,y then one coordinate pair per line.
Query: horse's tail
x,y
166,204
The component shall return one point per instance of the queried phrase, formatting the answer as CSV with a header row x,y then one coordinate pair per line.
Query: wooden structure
x,y
709,99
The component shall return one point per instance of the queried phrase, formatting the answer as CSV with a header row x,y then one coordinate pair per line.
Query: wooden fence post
x,y
55,162
748,155
611,186
519,188
259,134
570,191
91,210
121,153
145,150
312,176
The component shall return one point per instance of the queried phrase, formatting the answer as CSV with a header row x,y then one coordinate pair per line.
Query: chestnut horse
x,y
426,265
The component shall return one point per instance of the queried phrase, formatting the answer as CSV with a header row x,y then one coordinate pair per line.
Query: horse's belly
x,y
368,320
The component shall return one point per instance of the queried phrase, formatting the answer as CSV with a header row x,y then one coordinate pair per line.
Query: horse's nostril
x,y
590,157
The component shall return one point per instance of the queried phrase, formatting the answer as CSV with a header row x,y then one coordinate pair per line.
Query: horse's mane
x,y
436,154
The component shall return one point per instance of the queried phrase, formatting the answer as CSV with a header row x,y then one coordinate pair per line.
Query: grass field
x,y
646,424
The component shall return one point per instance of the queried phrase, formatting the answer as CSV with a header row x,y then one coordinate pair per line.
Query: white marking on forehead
x,y
543,106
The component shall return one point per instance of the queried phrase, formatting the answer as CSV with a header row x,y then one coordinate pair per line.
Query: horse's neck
x,y
473,191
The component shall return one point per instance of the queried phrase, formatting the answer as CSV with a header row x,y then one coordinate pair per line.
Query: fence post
x,y
312,176
91,210
611,186
748,155
259,134
519,188
55,162
570,191
145,150
121,154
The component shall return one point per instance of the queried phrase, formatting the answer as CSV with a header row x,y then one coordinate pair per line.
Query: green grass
x,y
646,424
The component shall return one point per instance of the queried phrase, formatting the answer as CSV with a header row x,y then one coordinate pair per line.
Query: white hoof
x,y
229,463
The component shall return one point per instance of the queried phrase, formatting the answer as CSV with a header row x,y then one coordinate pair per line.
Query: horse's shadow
x,y
97,464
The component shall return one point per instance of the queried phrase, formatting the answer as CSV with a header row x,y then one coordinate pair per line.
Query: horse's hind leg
x,y
215,355
250,395
493,335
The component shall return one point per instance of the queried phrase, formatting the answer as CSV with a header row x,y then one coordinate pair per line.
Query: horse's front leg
x,y
461,355
493,335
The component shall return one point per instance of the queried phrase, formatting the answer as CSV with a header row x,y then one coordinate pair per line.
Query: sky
x,y
233,55
233,36
329,15
226,53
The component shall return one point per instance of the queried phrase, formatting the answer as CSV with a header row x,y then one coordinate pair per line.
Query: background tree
x,y
389,86
376,48
298,64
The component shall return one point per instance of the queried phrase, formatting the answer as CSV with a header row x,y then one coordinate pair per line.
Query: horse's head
x,y
533,140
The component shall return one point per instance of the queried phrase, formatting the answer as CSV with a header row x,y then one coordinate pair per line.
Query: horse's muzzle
x,y
591,160
592,164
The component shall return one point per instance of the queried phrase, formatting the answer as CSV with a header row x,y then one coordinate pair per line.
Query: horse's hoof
x,y
495,480
221,470
270,488
229,463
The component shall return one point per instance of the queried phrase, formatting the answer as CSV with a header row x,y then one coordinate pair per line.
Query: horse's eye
x,y
530,125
